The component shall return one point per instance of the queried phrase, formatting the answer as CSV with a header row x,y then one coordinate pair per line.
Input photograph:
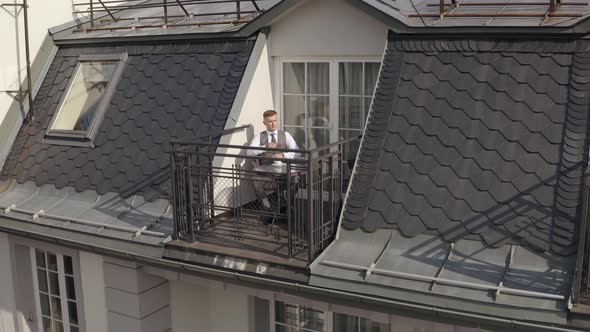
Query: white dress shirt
x,y
255,143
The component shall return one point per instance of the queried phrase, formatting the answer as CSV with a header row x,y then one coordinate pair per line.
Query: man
x,y
274,139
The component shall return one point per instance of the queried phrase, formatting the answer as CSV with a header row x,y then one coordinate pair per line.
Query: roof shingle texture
x,y
484,144
172,91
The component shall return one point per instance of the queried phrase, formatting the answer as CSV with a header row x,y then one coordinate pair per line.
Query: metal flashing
x,y
471,273
88,212
441,311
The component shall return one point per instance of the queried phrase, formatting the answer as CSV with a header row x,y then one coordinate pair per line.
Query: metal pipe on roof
x,y
175,16
41,213
91,14
489,4
499,15
182,7
145,6
105,1
165,13
101,225
157,26
238,9
107,10
413,276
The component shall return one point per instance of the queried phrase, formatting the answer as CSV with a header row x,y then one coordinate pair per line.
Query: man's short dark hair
x,y
268,113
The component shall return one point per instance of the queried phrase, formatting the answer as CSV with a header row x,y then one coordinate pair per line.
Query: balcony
x,y
231,202
581,295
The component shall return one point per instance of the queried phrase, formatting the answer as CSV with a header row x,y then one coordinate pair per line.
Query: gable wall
x,y
327,28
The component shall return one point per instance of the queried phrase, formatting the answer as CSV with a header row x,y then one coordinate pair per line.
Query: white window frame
x,y
295,300
84,138
377,317
334,99
328,309
59,252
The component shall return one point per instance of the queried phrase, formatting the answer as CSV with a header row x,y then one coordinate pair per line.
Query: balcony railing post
x,y
331,192
238,10
320,222
582,282
91,14
585,236
310,230
289,229
211,184
189,196
173,178
165,12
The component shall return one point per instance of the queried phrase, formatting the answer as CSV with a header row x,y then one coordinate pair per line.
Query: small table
x,y
279,169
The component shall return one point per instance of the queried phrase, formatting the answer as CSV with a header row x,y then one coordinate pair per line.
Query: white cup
x,y
277,162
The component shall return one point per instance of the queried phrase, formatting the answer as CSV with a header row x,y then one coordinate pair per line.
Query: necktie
x,y
272,138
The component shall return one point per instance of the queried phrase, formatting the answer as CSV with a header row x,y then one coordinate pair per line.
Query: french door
x,y
324,101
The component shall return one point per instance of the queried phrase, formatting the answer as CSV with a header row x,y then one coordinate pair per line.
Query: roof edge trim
x,y
114,41
486,43
288,287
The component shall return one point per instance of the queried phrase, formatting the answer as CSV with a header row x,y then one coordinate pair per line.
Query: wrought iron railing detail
x,y
582,276
225,190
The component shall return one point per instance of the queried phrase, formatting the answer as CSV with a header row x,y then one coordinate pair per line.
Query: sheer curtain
x,y
318,104
306,102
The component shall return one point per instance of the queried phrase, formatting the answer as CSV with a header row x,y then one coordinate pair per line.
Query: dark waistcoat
x,y
265,139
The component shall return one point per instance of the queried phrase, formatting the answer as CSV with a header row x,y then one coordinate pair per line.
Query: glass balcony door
x,y
324,101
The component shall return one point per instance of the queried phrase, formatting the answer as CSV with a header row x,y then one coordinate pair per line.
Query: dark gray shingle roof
x,y
167,91
476,139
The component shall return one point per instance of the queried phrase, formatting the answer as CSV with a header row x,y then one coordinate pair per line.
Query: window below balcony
x,y
86,99
56,295
294,317
348,323
304,315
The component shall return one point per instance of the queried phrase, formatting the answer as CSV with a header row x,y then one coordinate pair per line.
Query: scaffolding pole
x,y
29,91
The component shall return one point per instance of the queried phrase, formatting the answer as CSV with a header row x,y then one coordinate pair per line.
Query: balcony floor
x,y
258,241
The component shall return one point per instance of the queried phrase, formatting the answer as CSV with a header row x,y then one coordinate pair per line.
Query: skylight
x,y
82,107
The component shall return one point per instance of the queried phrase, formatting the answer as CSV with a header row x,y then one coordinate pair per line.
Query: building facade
x,y
127,203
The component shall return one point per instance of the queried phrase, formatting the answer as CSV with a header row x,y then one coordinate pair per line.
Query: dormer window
x,y
86,99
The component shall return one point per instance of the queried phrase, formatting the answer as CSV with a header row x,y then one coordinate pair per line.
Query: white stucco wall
x,y
199,304
135,301
7,294
42,14
207,307
93,291
327,28
254,96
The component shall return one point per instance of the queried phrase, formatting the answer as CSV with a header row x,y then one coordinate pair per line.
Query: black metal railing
x,y
295,194
582,276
